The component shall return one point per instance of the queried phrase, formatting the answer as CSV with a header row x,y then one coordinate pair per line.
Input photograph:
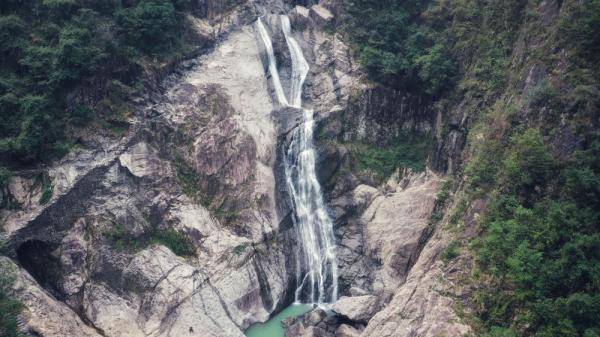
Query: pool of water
x,y
273,328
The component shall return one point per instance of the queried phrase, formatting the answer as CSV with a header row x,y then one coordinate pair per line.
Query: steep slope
x,y
517,129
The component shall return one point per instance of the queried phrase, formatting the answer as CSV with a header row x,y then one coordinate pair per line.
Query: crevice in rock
x,y
223,303
39,259
263,282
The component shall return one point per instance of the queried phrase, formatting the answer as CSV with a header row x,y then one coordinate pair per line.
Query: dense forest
x,y
537,260
68,63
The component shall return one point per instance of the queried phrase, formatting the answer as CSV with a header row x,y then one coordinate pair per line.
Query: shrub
x,y
5,175
405,151
541,247
239,249
543,94
528,163
178,242
444,192
77,55
451,252
12,30
580,28
150,25
121,239
436,69
190,182
47,191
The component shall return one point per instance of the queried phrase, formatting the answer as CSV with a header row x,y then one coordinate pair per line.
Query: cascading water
x,y
316,268
299,65
272,62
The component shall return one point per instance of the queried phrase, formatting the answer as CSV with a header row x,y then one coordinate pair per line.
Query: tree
x,y
150,26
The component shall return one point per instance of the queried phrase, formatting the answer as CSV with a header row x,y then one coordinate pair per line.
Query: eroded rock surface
x,y
419,306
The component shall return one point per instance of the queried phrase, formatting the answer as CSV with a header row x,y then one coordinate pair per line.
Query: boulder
x,y
298,330
141,160
320,15
345,330
314,317
357,308
288,322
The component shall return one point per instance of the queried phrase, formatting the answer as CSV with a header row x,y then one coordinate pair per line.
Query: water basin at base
x,y
273,328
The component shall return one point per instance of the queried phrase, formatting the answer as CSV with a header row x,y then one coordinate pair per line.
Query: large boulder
x,y
357,308
345,330
320,15
141,160
314,317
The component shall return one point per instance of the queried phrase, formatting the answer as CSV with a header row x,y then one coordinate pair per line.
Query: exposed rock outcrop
x,y
419,306
43,312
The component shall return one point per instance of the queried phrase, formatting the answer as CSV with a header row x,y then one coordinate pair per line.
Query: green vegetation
x,y
190,182
579,30
10,308
121,239
451,252
179,243
406,151
47,191
65,63
4,177
444,192
396,49
542,246
240,249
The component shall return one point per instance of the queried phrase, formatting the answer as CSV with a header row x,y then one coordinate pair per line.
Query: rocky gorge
x,y
185,225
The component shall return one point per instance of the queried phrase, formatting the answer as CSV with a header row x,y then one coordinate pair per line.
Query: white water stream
x,y
264,34
316,275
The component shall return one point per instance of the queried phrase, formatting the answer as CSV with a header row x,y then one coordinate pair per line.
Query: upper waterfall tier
x,y
264,34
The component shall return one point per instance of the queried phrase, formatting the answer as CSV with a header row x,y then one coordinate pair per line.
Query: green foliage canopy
x,y
56,52
396,49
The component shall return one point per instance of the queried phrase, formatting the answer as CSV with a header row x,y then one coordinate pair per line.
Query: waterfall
x,y
299,65
316,274
313,225
272,62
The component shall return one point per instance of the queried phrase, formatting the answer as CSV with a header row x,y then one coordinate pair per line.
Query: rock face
x,y
43,312
382,230
315,323
419,307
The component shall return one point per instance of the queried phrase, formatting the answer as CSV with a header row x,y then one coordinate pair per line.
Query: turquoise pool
x,y
273,328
